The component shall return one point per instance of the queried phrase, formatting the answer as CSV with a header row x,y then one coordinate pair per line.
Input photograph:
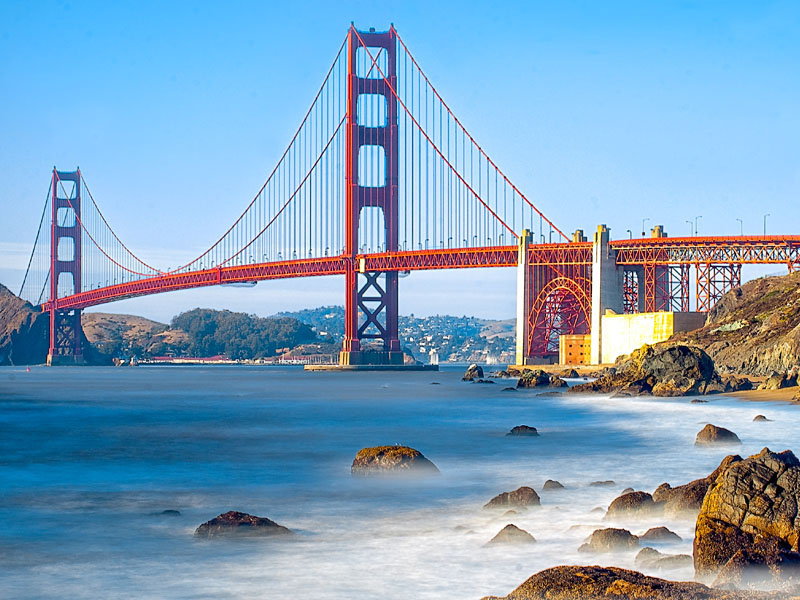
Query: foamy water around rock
x,y
90,457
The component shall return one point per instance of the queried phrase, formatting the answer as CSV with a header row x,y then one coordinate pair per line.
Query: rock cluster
x,y
749,525
778,381
384,460
663,370
532,378
524,496
688,498
240,524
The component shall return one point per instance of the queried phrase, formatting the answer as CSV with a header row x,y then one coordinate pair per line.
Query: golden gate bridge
x,y
380,178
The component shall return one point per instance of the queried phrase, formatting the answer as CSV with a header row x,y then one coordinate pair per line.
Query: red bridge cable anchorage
x,y
89,235
289,200
274,170
464,129
419,127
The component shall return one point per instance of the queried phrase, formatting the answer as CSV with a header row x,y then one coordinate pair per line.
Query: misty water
x,y
90,457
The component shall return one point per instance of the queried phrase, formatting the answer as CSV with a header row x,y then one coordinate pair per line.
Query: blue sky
x,y
601,112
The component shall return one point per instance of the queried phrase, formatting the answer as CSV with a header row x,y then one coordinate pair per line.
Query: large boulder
x,y
650,558
662,370
552,484
778,381
385,460
659,535
511,534
240,524
524,496
711,434
615,583
750,518
532,378
688,498
473,373
609,540
631,504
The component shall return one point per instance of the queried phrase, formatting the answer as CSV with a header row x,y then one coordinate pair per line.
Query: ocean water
x,y
89,457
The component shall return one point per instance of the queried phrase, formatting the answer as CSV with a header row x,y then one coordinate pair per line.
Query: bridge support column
x,y
66,335
607,286
371,306
523,297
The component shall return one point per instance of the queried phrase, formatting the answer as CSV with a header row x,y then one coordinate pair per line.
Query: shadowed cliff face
x,y
23,331
754,329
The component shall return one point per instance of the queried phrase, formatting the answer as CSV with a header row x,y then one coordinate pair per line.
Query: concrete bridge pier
x,y
607,286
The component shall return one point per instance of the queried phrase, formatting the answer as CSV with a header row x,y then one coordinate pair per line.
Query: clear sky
x,y
601,112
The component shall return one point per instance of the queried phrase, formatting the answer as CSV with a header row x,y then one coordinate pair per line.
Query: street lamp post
x,y
630,234
644,234
695,223
765,223
741,226
690,227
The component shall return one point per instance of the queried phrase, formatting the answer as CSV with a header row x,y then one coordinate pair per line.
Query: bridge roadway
x,y
778,249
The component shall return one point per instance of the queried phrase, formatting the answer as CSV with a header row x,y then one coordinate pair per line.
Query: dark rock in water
x,y
511,534
749,525
509,389
610,540
524,496
570,374
523,430
552,484
778,381
631,504
688,498
241,524
650,558
473,372
170,513
614,583
660,534
627,490
699,401
482,381
510,513
607,483
435,383
663,370
384,460
711,434
500,374
760,418
532,378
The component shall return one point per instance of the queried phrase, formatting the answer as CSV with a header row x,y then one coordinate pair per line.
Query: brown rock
x,y
511,534
688,498
614,583
524,496
569,374
473,372
632,503
610,540
778,381
523,431
660,534
552,484
240,524
760,418
711,434
650,558
383,460
750,518
606,483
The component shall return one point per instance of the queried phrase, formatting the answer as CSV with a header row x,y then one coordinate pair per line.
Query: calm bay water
x,y
89,457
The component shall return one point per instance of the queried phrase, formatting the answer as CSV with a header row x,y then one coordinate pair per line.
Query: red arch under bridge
x,y
381,177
